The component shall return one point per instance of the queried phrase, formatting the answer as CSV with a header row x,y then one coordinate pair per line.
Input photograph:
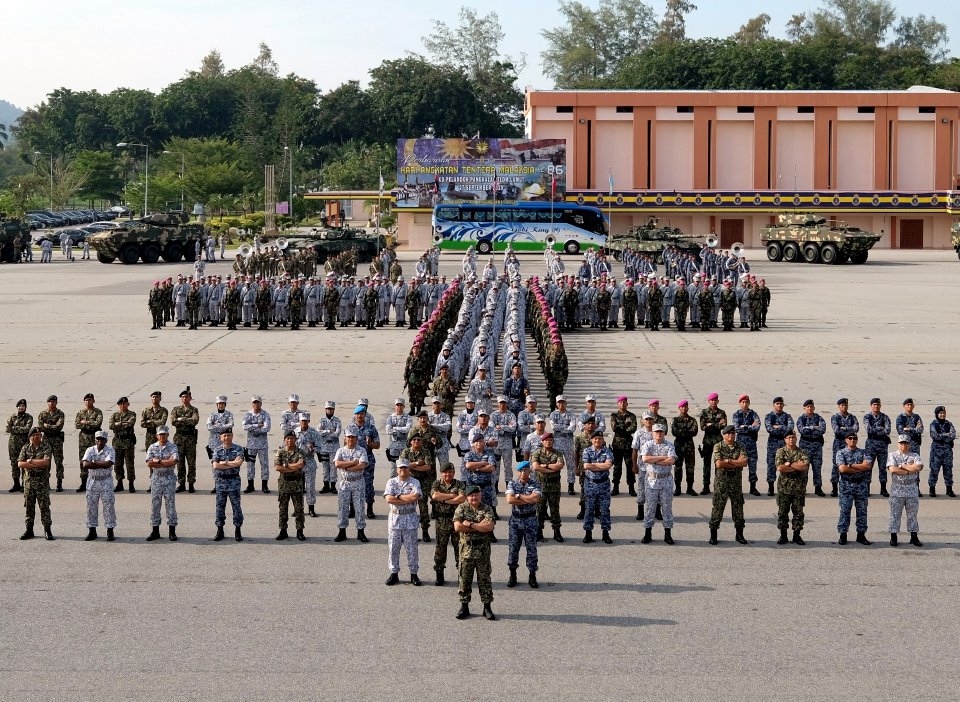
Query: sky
x,y
148,44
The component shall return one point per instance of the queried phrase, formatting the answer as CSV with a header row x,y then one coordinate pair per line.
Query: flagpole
x,y
610,200
493,243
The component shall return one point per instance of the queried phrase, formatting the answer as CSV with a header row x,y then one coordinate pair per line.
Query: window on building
x,y
805,110
745,109
564,108
625,108
927,110
687,109
866,110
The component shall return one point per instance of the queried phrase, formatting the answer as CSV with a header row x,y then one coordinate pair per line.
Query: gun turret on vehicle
x,y
804,236
651,238
331,241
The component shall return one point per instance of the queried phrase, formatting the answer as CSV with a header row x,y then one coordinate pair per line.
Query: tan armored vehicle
x,y
148,239
802,236
651,238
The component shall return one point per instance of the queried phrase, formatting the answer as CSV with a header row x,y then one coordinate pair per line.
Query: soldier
x,y
440,421
162,460
218,420
855,468
656,479
474,521
18,427
185,419
524,496
34,460
226,460
446,493
842,423
308,441
630,302
705,307
655,304
397,426
877,425
290,417
910,424
89,421
122,424
729,459
712,420
368,439
548,464
51,422
479,467
905,465
505,424
420,464
811,427
289,463
624,424
728,305
563,425
777,423
681,303
151,418
350,462
193,305
792,463
296,302
96,463
402,494
581,441
684,428
257,423
597,462
329,429
942,436
747,423
233,301
263,302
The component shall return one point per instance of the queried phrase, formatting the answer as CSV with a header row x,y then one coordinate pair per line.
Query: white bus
x,y
526,226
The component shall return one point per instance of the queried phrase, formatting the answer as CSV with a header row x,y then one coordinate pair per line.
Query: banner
x,y
282,208
434,171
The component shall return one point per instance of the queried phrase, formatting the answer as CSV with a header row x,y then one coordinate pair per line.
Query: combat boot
x,y
155,534
266,490
213,491
632,489
313,512
300,535
119,486
557,536
581,512
27,534
706,489
173,533
512,581
740,538
950,492
615,490
326,487
588,537
690,490
933,491
843,539
415,580
914,539
797,539
769,489
361,537
488,613
110,536
893,540
249,487
883,490
59,486
91,535
783,537
753,489
605,537
282,536
862,538
833,490
132,489
464,611
17,487
819,492
341,536
647,536
639,513
181,487
219,536
570,490
82,488
371,515
237,535
47,534
190,487
668,537
532,581
540,537
440,581
426,535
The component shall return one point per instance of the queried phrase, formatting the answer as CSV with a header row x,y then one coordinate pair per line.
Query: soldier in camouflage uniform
x,y
755,302
233,301
602,302
152,417
705,305
289,463
597,462
18,427
728,305
655,305
89,421
630,301
548,464
681,303
623,422
792,463
193,305
34,460
155,305
51,422
856,468
684,429
263,303
729,460
474,522
712,420
904,466
580,442
331,302
227,460
524,496
445,494
942,436
122,424
420,463
185,419
295,302
96,462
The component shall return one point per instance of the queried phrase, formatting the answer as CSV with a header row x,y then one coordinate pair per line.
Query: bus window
x,y
448,214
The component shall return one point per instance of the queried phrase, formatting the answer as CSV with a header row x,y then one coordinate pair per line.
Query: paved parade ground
x,y
197,620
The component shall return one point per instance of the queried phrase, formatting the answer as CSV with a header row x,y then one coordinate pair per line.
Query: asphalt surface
x,y
269,620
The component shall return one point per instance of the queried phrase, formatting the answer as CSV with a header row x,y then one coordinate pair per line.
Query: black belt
x,y
599,480
224,475
525,516
943,443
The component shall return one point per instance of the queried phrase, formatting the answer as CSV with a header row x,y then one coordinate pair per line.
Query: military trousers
x,y
877,454
398,537
750,448
685,465
659,496
36,493
549,499
791,496
772,446
523,530
447,538
623,458
728,486
310,480
263,454
505,461
853,494
709,441
815,452
941,457
329,467
897,505
351,493
186,458
125,467
163,490
477,562
56,446
368,473
100,489
85,441
596,495
17,442
838,443
291,490
426,478
228,489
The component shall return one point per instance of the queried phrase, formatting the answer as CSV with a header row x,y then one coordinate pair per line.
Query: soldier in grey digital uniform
x,y
656,480
402,494
257,423
904,467
162,460
329,429
218,420
351,461
308,441
440,421
98,461
396,426
504,421
290,417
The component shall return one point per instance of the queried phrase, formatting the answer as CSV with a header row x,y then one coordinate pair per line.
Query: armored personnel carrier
x,y
331,241
10,229
802,236
652,239
955,237
165,235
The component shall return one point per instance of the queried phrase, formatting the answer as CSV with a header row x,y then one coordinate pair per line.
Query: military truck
x,y
165,235
955,237
330,241
803,236
9,230
651,238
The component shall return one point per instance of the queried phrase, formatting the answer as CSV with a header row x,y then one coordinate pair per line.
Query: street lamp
x,y
146,170
290,198
182,163
37,153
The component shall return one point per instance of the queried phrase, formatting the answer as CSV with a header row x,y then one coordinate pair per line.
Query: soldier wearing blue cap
x,y
878,427
942,436
778,424
523,493
226,460
811,428
368,438
910,424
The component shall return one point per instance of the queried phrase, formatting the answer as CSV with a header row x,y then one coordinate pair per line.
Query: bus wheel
x,y
572,248
484,247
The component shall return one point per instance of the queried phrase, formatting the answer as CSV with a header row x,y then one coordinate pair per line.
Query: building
x,y
725,162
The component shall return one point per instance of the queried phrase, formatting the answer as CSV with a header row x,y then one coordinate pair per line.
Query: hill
x,y
9,113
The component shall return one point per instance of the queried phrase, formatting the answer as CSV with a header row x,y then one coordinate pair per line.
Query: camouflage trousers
x,y
329,468
16,443
680,315
897,505
523,530
407,538
100,489
446,538
658,496
426,479
291,491
941,457
728,486
853,494
549,500
877,453
228,489
815,451
750,448
622,461
791,495
163,489
477,562
125,458
36,493
368,473
772,446
505,461
56,445
685,467
596,495
351,493
629,316
728,317
186,458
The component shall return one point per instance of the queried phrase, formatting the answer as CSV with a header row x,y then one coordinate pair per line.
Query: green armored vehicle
x,y
802,236
9,230
955,237
651,238
330,241
150,238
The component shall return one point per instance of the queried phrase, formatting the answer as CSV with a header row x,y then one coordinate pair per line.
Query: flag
x,y
436,182
381,182
610,171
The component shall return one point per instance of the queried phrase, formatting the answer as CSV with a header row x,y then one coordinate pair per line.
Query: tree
x,y
798,27
593,44
863,21
212,65
343,114
754,29
673,27
358,167
264,62
928,35
101,174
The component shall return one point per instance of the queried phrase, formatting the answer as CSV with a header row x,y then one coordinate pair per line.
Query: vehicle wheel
x,y
774,252
618,255
791,252
103,258
189,255
572,248
811,253
6,254
658,257
172,253
842,257
829,254
129,254
150,253
958,252
859,257
484,247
